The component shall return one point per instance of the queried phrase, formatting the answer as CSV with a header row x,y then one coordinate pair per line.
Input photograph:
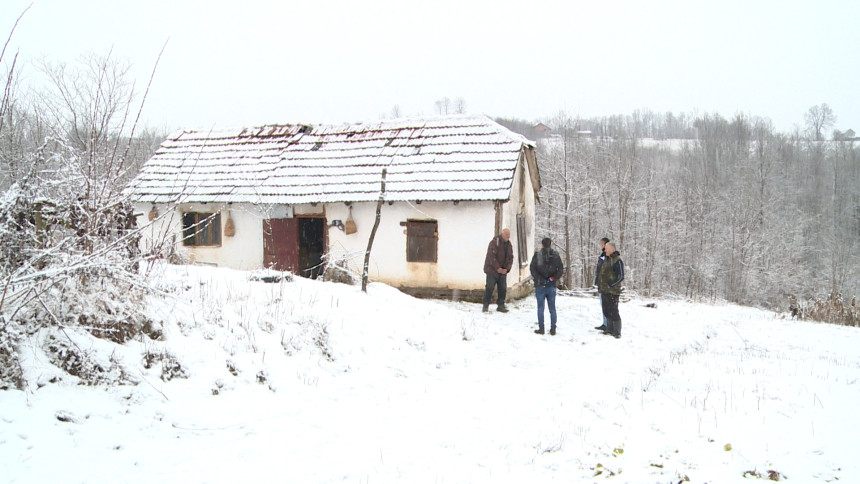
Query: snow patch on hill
x,y
307,381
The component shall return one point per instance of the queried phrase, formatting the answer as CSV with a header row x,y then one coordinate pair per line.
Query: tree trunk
x,y
373,233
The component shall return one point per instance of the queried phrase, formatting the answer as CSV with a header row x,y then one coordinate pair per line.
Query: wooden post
x,y
373,233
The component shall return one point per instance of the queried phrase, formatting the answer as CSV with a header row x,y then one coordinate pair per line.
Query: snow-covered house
x,y
291,196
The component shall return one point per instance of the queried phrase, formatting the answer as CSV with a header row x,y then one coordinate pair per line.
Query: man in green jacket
x,y
609,286
600,260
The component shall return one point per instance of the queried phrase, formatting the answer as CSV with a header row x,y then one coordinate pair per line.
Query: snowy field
x,y
316,382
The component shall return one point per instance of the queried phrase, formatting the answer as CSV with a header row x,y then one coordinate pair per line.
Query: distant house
x,y
291,196
541,130
848,135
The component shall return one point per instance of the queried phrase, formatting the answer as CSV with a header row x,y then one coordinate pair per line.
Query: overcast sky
x,y
256,62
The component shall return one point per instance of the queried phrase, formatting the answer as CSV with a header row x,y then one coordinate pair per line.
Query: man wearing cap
x,y
609,286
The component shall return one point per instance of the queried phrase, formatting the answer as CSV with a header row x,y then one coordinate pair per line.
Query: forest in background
x,y
705,207
701,206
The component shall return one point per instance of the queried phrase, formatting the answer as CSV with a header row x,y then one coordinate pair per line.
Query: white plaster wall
x,y
161,229
521,193
465,230
243,251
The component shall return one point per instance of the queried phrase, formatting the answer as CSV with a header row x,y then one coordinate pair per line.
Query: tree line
x,y
700,205
703,206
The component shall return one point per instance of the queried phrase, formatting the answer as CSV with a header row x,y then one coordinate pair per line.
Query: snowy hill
x,y
305,381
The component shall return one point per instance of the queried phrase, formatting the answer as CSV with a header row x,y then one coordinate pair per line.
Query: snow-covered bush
x,y
170,366
338,268
11,373
84,364
69,254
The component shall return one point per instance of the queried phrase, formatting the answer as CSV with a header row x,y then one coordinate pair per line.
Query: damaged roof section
x,y
430,158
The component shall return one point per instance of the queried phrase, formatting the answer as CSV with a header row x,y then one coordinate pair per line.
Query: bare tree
x,y
64,220
8,87
379,203
818,119
443,106
740,212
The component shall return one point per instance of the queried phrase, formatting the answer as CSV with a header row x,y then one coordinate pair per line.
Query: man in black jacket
x,y
546,268
600,260
609,286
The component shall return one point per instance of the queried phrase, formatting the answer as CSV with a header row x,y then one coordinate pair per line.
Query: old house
x,y
847,135
293,197
541,130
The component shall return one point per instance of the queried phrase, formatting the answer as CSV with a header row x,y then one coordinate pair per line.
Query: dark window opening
x,y
422,240
201,229
521,239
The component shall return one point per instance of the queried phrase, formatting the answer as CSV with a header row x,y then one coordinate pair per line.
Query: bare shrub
x,y
11,373
831,309
322,343
232,368
68,235
66,355
337,269
307,336
170,366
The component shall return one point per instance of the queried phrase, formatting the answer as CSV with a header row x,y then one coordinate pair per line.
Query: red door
x,y
281,244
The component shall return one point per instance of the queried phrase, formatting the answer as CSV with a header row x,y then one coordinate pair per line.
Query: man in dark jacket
x,y
497,264
609,286
546,269
600,260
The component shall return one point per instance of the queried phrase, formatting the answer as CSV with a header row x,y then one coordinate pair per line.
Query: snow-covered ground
x,y
307,381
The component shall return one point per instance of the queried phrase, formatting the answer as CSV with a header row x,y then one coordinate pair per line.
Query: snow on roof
x,y
429,158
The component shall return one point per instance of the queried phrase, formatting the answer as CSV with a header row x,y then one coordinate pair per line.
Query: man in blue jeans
x,y
546,268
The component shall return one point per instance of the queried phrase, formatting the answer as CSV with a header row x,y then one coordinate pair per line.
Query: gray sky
x,y
257,62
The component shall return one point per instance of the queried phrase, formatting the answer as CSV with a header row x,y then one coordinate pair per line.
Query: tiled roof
x,y
430,158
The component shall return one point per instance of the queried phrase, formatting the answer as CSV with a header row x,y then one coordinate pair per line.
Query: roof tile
x,y
430,158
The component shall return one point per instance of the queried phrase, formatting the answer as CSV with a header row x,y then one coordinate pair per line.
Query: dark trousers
x,y
499,281
609,303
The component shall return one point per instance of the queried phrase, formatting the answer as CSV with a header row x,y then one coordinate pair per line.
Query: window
x,y
201,228
521,239
422,238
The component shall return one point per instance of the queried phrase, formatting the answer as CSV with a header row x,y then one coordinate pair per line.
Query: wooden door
x,y
281,244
